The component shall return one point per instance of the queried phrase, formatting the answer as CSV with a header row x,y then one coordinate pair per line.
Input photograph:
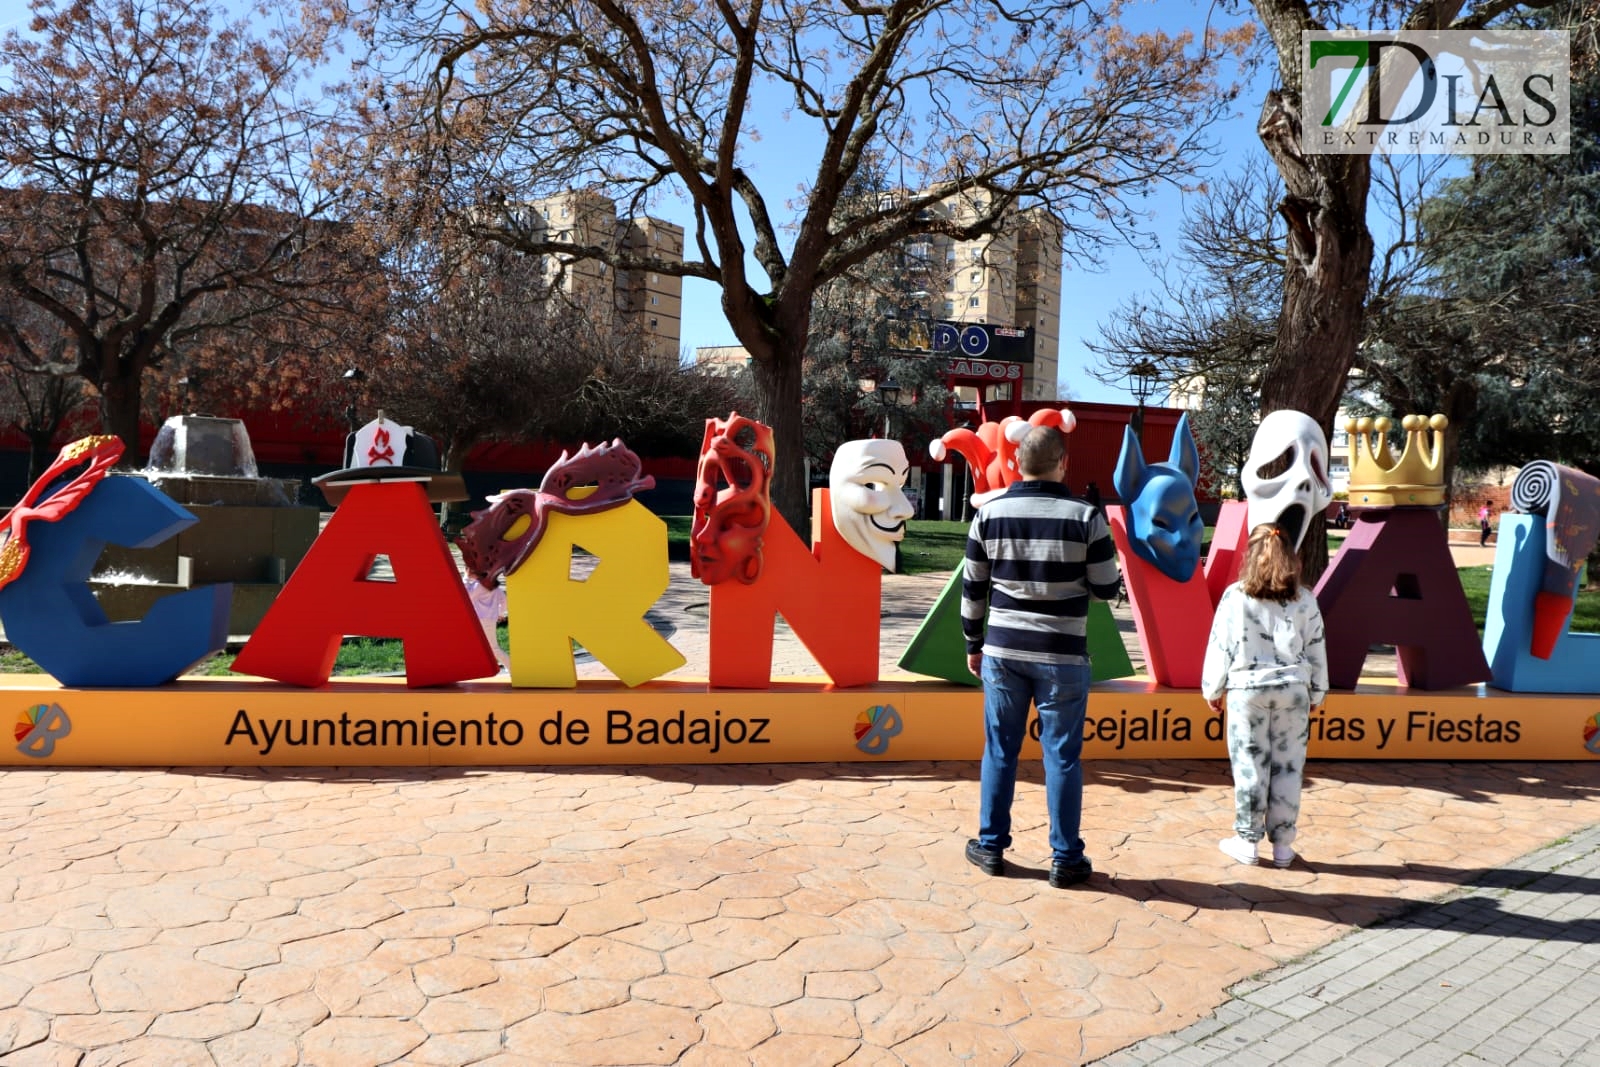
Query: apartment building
x,y
1009,281
650,301
1011,278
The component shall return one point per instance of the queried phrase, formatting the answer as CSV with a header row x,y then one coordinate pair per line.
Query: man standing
x,y
1034,557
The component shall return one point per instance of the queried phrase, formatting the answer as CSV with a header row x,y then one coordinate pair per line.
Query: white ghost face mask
x,y
867,492
1291,444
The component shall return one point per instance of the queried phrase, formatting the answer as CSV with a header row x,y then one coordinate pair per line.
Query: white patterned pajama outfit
x,y
1270,659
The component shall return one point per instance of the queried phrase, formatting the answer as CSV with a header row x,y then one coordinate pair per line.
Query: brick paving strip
x,y
1500,971
783,914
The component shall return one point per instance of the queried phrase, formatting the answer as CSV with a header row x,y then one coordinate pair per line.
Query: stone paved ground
x,y
778,914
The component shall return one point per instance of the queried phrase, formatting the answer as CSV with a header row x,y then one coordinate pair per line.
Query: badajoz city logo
x,y
1436,93
875,727
39,728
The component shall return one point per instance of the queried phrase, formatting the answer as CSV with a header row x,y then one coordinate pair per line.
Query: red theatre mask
x,y
732,500
596,479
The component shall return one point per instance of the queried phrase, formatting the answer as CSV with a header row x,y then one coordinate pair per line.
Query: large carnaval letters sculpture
x,y
585,500
1392,581
829,594
1173,601
52,539
1538,556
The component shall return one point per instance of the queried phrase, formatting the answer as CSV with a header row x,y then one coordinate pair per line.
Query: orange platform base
x,y
380,722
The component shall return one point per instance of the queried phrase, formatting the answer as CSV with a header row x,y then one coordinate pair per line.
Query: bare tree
x,y
41,396
477,109
155,190
481,350
1210,328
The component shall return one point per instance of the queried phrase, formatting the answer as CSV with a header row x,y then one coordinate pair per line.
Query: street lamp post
x,y
1142,382
352,380
889,393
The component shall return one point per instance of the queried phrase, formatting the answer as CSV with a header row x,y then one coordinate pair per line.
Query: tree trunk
x,y
119,413
455,457
40,454
1328,260
778,399
1460,405
1328,257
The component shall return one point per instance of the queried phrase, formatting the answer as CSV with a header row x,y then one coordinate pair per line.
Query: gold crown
x,y
1377,481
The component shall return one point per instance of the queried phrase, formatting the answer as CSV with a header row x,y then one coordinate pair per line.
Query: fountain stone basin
x,y
250,530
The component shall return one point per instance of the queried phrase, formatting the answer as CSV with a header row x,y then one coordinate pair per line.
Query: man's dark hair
x,y
1041,451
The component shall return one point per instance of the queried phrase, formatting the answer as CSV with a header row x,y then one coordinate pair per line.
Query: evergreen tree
x,y
1501,336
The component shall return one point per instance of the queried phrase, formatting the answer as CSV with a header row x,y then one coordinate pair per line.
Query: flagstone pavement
x,y
788,914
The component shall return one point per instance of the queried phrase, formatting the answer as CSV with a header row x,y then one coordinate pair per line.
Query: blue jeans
x,y
1061,693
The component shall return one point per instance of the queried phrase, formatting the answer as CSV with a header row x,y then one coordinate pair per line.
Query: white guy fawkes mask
x,y
866,489
1290,498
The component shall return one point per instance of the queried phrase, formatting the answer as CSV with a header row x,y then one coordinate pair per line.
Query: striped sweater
x,y
1034,556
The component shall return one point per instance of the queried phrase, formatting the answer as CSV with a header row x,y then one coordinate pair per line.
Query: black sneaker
x,y
987,860
1064,875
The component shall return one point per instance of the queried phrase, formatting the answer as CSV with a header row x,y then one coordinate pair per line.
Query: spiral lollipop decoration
x,y
1569,500
1536,487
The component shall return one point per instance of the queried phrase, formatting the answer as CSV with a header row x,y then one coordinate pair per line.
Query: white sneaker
x,y
1238,849
1282,855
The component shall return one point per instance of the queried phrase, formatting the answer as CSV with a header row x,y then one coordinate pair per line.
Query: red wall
x,y
1093,447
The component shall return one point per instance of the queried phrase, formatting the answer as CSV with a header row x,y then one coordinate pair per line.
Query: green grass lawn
x,y
358,656
677,535
932,545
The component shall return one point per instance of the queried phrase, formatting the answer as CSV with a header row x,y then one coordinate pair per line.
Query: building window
x,y
972,301
949,308
977,276
655,300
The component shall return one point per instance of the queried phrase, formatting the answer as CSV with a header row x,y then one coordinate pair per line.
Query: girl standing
x,y
1267,654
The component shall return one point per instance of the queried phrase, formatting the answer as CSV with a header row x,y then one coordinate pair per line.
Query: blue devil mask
x,y
1164,526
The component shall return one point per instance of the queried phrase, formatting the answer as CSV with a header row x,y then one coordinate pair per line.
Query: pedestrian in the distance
x,y
1483,524
1267,654
1034,557
488,598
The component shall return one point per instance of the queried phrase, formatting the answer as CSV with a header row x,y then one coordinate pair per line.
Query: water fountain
x,y
251,531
